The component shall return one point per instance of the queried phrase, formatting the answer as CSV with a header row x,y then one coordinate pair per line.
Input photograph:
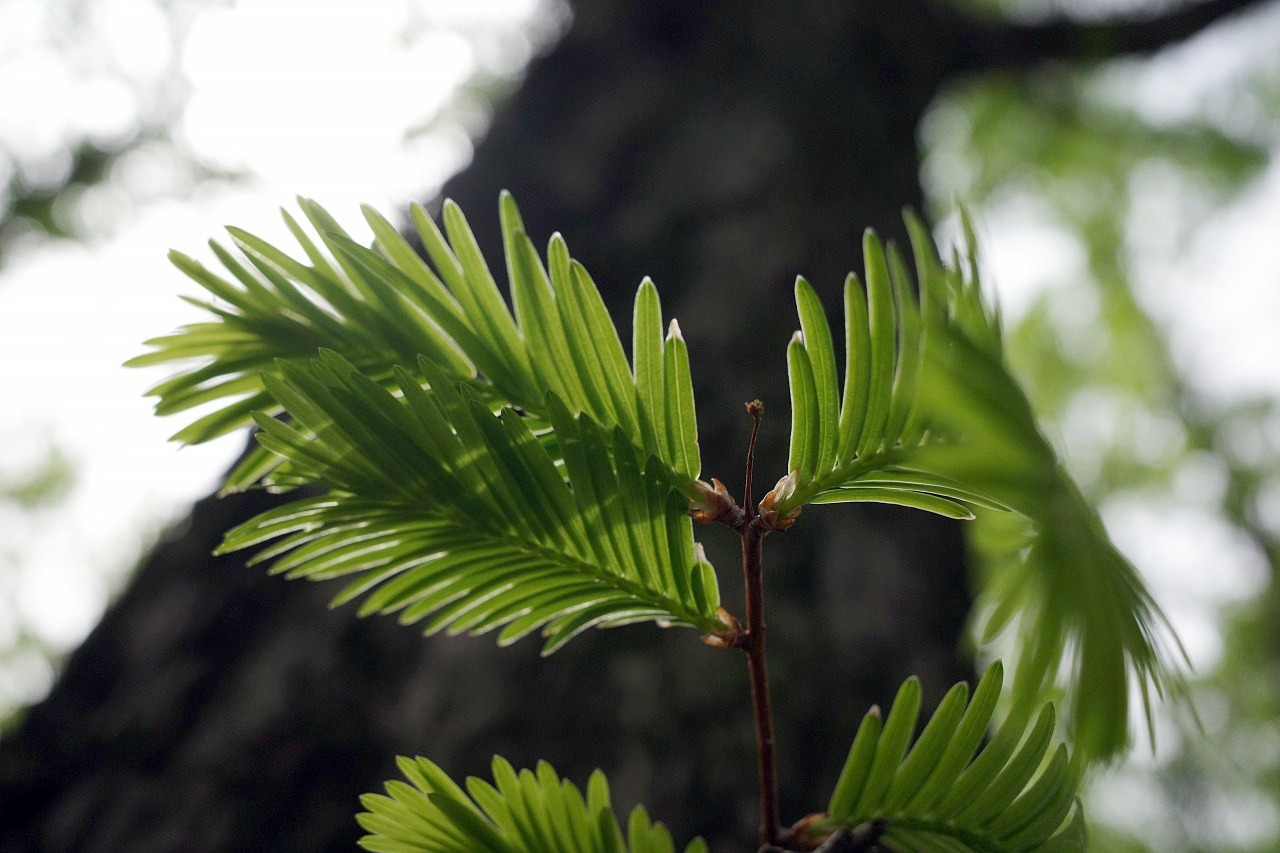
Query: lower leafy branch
x,y
945,791
520,812
1018,793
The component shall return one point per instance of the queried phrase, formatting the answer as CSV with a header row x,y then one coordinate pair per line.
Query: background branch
x,y
987,45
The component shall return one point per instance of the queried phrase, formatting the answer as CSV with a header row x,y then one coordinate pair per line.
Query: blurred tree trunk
x,y
721,148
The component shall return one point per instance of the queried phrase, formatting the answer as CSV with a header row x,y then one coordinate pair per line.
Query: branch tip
x,y
755,408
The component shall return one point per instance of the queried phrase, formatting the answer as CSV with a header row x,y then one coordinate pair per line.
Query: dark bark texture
x,y
721,148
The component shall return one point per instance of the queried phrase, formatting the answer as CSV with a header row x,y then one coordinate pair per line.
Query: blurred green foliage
x,y
43,485
1090,158
47,483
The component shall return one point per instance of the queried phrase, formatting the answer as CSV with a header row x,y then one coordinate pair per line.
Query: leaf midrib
x,y
619,583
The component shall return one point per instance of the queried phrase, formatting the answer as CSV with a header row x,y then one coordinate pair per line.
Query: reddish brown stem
x,y
752,641
754,646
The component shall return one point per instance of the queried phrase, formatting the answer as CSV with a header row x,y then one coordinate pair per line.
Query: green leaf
x,y
932,801
903,401
857,370
440,510
928,749
647,354
880,423
822,360
605,348
536,311
883,325
806,419
490,314
524,812
403,256
895,495
964,742
857,766
902,478
892,744
682,423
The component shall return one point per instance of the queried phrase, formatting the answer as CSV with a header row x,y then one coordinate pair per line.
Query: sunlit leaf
x,y
840,444
443,512
383,306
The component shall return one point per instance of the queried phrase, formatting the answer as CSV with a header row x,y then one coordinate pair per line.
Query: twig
x,y
754,645
1010,45
752,641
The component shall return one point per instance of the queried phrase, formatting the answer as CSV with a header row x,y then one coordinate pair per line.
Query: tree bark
x,y
722,148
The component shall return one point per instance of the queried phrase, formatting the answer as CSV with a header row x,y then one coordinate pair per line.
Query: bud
x,y
809,832
785,488
714,502
729,620
729,635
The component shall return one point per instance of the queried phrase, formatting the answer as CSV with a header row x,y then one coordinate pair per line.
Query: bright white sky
x,y
303,98
311,98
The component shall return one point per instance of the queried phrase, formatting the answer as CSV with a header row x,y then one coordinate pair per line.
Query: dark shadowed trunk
x,y
721,148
